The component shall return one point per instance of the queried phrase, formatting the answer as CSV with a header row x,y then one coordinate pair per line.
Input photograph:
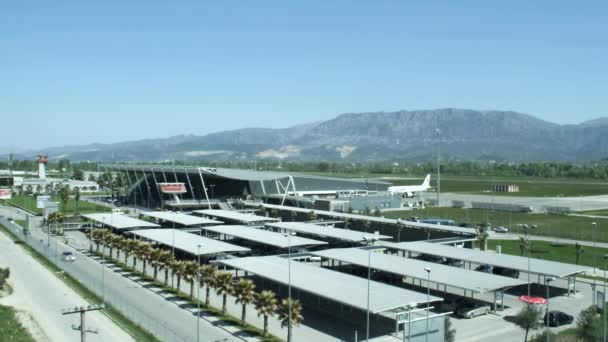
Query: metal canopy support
x,y
147,185
177,196
160,195
189,183
286,192
204,187
263,188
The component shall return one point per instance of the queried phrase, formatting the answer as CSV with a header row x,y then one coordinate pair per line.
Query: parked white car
x,y
501,229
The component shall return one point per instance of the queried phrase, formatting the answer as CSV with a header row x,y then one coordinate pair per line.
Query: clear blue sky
x,y
74,72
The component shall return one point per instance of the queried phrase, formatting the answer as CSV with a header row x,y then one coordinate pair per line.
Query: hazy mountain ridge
x,y
402,135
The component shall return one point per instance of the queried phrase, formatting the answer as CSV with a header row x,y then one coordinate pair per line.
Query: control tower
x,y
42,160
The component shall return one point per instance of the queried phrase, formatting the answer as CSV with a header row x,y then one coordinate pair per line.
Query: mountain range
x,y
460,134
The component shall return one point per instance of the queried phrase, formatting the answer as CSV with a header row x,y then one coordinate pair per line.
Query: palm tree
x,y
55,218
208,273
311,216
224,287
266,305
245,294
76,199
97,238
145,251
178,271
191,269
579,250
155,260
523,245
117,241
65,197
482,236
296,314
131,249
108,240
165,259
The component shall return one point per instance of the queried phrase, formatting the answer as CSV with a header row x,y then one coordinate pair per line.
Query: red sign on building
x,y
172,188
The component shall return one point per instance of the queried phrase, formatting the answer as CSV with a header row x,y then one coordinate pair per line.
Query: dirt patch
x,y
30,324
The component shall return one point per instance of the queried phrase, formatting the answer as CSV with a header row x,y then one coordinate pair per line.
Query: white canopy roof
x,y
262,236
334,233
119,221
188,242
234,216
181,218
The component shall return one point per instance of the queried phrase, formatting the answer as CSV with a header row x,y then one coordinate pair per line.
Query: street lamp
x,y
173,243
288,236
198,293
529,247
428,299
547,281
370,242
604,300
438,133
410,306
593,227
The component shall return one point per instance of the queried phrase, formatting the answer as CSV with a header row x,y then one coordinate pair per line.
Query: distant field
x,y
562,226
529,186
29,203
603,212
547,251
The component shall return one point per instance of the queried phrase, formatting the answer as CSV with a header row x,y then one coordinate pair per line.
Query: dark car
x,y
431,258
506,272
451,304
558,318
484,268
453,262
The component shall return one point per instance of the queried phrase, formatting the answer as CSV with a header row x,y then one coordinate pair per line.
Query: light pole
x,y
198,292
103,279
288,236
428,298
593,226
410,306
547,281
604,300
212,186
438,133
173,244
529,247
369,241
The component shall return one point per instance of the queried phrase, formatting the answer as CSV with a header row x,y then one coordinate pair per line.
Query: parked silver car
x,y
472,309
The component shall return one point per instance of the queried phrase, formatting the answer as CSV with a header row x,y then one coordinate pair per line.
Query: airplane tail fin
x,y
427,181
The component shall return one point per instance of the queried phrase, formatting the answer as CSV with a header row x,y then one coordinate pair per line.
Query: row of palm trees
x,y
224,284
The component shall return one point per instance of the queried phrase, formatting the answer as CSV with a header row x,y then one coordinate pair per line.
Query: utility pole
x,y
82,311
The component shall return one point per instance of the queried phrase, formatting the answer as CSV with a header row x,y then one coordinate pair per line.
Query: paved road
x,y
538,203
41,294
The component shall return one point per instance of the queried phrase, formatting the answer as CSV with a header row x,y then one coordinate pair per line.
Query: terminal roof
x,y
478,282
334,233
119,221
188,242
262,236
336,286
538,266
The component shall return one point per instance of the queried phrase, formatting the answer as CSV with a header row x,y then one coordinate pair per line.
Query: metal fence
x,y
48,248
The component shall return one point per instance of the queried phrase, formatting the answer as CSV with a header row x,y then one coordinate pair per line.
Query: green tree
x,y
4,274
296,315
224,287
449,332
191,269
528,318
588,325
244,291
578,249
266,305
78,175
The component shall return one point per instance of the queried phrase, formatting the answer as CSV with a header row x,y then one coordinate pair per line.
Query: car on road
x,y
68,256
558,318
500,229
470,309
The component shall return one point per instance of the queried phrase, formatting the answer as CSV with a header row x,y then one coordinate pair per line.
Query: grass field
x,y
10,328
546,250
29,203
561,226
603,212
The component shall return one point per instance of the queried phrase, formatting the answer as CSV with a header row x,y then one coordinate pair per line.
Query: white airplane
x,y
409,190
